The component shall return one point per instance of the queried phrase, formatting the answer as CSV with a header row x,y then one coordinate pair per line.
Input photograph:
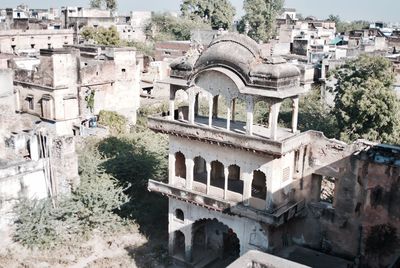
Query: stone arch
x,y
180,165
215,236
181,95
217,174
235,184
200,169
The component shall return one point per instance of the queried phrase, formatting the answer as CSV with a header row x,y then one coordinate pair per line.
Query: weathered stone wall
x,y
23,179
16,40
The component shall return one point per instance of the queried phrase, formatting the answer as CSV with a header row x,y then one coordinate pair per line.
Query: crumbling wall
x,y
21,179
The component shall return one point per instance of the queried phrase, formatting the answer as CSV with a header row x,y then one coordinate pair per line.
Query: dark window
x,y
32,45
30,103
259,185
179,214
123,70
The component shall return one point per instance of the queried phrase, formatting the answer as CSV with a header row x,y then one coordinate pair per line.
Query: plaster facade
x,y
294,188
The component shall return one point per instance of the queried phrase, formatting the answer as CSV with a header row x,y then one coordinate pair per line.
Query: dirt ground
x,y
130,249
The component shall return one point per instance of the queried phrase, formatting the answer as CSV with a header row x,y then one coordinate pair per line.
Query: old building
x,y
73,84
34,163
235,185
18,41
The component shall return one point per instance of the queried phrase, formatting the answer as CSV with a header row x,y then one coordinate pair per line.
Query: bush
x,y
49,223
117,123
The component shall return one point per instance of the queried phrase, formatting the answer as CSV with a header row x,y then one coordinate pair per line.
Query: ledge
x,y
227,138
276,218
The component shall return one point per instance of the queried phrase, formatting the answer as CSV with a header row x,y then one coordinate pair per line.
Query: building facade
x,y
235,185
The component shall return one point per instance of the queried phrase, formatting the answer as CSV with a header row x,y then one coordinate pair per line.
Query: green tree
x,y
366,106
334,18
109,4
101,36
260,17
166,27
217,13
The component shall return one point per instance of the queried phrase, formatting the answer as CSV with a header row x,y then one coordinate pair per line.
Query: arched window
x,y
179,214
234,182
217,174
259,185
180,165
200,170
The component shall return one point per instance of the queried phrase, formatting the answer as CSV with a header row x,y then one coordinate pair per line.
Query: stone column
x,y
208,168
295,113
247,180
171,103
192,101
274,113
228,116
249,111
189,173
210,110
171,168
226,173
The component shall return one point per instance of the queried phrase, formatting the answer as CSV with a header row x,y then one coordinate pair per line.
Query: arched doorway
x,y
179,245
214,242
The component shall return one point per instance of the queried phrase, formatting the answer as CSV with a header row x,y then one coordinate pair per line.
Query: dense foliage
x,y
217,13
166,27
101,36
343,26
260,17
91,206
314,114
366,106
116,123
113,190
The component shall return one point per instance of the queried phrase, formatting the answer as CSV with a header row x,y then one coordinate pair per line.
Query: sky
x,y
383,10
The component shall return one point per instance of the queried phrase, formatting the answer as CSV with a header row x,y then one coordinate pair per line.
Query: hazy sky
x,y
385,10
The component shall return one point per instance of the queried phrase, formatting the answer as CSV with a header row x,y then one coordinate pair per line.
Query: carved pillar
x,y
226,173
247,180
228,115
192,101
208,168
274,113
295,113
249,112
210,110
189,173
